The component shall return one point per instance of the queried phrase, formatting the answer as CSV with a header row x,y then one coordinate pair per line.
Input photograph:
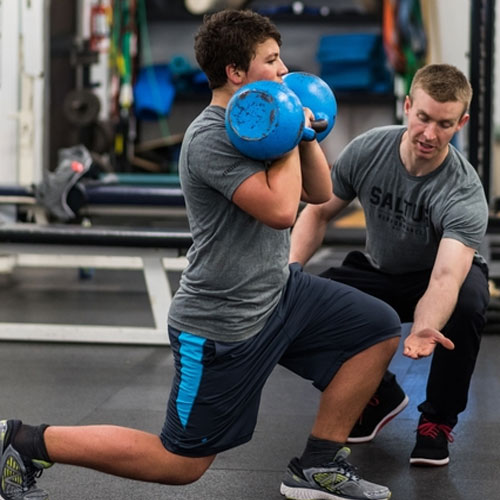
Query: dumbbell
x,y
265,119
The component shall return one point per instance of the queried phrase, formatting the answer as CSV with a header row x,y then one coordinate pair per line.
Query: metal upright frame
x,y
482,27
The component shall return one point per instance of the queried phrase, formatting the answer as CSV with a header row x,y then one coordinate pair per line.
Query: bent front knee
x,y
186,471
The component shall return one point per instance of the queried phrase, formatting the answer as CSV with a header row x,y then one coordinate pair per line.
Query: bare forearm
x,y
435,307
452,264
316,179
284,177
431,314
307,235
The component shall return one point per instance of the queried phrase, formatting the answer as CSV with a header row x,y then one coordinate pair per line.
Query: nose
x,y
283,69
430,131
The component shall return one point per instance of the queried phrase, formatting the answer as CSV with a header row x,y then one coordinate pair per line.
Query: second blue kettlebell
x,y
314,93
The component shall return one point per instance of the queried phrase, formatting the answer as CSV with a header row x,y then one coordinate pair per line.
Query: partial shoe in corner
x,y
333,481
17,475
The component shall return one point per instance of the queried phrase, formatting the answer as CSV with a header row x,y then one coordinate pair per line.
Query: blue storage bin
x,y
354,61
353,47
154,92
348,78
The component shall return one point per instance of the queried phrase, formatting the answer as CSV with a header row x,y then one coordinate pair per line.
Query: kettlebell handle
x,y
309,133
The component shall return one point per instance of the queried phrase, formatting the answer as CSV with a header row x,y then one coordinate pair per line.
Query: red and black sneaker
x,y
432,443
387,402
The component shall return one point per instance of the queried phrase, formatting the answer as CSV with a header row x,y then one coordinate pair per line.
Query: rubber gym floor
x,y
69,383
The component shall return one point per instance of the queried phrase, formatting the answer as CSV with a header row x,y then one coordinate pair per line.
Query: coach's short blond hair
x,y
444,83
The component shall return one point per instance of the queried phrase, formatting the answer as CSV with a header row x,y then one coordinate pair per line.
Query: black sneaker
x,y
333,481
386,403
432,443
18,475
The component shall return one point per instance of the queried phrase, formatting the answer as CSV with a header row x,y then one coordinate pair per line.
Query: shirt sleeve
x,y
343,172
218,164
466,217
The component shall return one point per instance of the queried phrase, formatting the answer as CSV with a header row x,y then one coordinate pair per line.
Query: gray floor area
x,y
128,385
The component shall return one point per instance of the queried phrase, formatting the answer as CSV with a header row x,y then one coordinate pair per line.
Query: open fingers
x,y
419,346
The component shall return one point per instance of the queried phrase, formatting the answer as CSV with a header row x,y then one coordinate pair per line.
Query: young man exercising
x,y
239,311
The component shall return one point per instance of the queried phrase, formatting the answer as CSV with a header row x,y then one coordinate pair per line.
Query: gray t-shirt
x,y
406,216
238,267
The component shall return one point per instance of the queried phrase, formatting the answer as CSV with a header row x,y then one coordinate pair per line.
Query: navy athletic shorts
x,y
317,325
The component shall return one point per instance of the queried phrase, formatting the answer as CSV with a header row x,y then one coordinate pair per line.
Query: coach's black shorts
x,y
317,325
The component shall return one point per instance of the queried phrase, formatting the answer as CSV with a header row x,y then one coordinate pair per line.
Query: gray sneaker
x,y
18,476
335,481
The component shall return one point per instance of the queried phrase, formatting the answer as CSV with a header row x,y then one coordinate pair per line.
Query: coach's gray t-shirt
x,y
238,267
406,216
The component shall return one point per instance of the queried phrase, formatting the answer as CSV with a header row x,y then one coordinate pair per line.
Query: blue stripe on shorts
x,y
191,352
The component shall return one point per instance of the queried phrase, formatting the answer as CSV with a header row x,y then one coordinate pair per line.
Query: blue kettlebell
x,y
265,120
315,94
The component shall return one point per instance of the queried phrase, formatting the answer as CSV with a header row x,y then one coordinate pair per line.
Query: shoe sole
x,y
384,421
429,462
310,494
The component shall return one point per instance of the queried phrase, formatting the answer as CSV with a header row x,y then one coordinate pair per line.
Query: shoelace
x,y
347,469
32,474
432,429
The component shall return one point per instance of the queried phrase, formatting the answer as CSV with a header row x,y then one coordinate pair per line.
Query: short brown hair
x,y
444,83
230,37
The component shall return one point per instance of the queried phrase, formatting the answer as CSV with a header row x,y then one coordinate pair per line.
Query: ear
x,y
234,74
463,121
407,105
